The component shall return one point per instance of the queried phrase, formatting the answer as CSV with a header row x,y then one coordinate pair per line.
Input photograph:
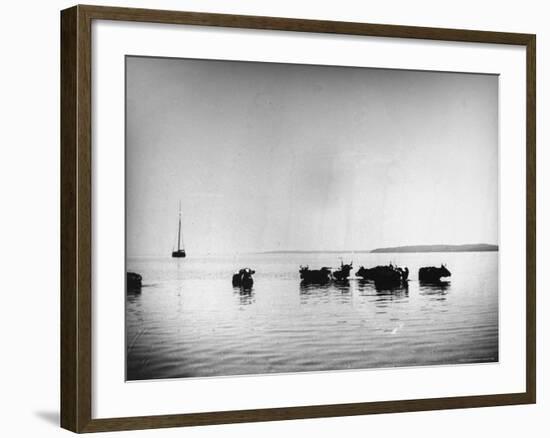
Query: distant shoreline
x,y
472,247
477,247
313,252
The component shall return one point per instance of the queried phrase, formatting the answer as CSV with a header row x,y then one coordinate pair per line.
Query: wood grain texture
x,y
69,311
302,25
76,219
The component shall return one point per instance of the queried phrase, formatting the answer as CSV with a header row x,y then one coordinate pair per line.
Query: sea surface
x,y
189,321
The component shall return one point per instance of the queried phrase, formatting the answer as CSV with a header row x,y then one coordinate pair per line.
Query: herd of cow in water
x,y
388,276
382,276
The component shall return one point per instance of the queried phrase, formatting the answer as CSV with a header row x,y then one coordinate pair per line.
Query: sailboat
x,y
180,252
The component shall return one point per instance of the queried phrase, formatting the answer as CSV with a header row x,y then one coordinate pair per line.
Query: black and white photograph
x,y
287,218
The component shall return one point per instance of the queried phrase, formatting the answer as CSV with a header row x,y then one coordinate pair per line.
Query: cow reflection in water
x,y
331,292
245,296
434,288
367,287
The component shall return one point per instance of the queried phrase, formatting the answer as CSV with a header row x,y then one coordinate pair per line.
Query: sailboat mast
x,y
179,228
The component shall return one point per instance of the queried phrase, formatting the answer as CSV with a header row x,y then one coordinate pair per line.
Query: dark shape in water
x,y
246,295
432,274
312,288
180,252
434,287
385,276
315,276
133,282
243,278
393,289
342,274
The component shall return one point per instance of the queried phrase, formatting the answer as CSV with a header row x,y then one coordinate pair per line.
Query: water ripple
x,y
188,321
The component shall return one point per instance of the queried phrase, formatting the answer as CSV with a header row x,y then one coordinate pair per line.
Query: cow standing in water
x,y
243,278
342,274
432,274
404,273
385,276
133,282
315,276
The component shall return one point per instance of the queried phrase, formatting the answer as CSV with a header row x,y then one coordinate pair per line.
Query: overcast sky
x,y
293,157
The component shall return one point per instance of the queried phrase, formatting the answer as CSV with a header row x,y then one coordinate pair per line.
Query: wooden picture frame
x,y
76,218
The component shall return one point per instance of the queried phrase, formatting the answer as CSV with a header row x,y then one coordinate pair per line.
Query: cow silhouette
x,y
384,276
432,274
243,278
133,282
342,274
315,276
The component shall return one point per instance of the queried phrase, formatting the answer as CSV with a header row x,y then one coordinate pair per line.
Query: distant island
x,y
329,251
473,247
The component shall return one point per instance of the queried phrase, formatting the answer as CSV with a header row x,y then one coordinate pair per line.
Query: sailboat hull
x,y
178,254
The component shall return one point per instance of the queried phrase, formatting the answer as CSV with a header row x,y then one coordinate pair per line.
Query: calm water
x,y
188,320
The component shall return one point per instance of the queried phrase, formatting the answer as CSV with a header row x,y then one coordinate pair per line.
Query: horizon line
x,y
481,247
